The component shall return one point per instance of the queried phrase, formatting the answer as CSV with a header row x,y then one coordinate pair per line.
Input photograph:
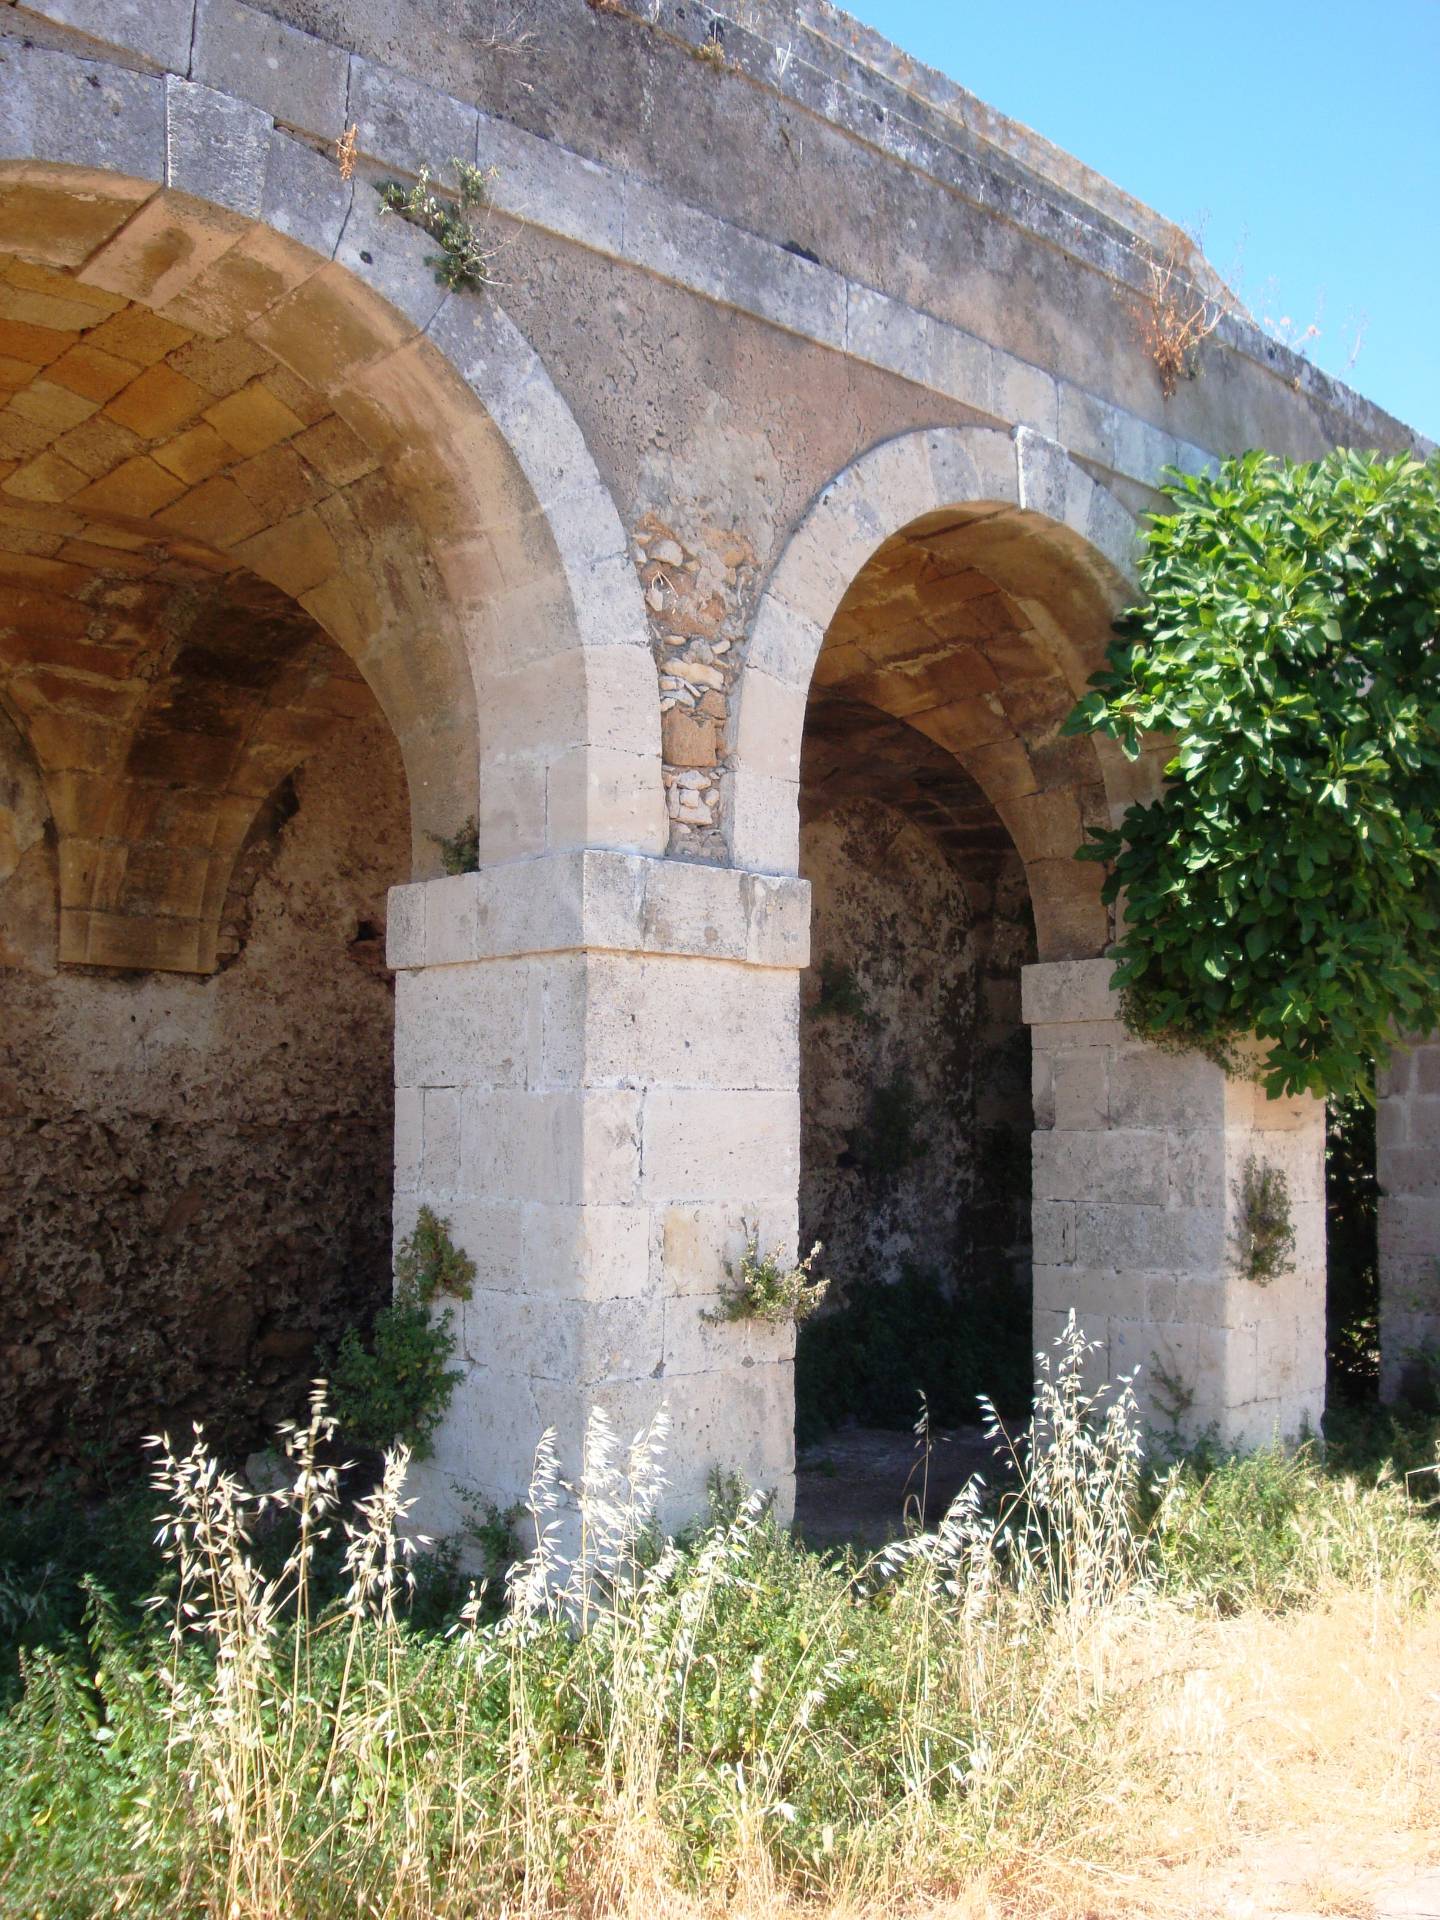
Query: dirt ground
x,y
1277,1767
859,1486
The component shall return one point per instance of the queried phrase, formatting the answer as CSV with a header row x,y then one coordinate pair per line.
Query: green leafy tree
x,y
1287,880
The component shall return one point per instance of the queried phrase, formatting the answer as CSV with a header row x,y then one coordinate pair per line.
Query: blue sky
x,y
1304,141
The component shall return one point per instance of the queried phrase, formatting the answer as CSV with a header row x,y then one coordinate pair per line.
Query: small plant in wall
x,y
1264,1228
460,852
464,259
768,1289
1172,318
397,1386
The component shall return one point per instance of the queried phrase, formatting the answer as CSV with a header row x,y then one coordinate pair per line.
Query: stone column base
x,y
1139,1160
597,1063
1407,1143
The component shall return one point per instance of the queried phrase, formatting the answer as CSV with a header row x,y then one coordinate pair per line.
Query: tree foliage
x,y
1287,881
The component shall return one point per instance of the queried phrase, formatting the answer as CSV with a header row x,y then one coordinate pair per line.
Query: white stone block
x,y
721,1145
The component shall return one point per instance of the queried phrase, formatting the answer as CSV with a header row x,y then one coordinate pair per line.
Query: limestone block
x,y
1026,396
304,196
547,186
440,1160
1100,1165
327,331
560,1147
693,909
451,907
602,797
1044,826
491,1232
1113,532
463,1026
157,31
1067,991
392,256
408,125
1177,1240
963,366
161,252
708,1145
587,532
1149,1088
1409,1230
566,1342
783,643
1080,1090
679,1022
215,147
699,1339
405,926
512,811
296,78
701,1245
1042,1084
1060,1037
135,489
1195,1167
777,920
591,1252
409,1137
769,725
82,114
1053,1232
888,334
765,829
1205,1299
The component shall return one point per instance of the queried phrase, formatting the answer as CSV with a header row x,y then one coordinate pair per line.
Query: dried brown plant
x,y
1170,314
345,151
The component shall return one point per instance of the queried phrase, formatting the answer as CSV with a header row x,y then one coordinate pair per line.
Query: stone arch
x,y
398,465
1041,562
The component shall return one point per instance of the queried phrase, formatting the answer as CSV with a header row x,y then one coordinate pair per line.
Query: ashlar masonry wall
x,y
1408,1167
1139,1160
596,1065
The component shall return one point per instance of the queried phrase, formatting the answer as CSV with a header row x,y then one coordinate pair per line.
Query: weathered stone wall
x,y
769,300
910,1023
1139,1167
197,1172
1408,1165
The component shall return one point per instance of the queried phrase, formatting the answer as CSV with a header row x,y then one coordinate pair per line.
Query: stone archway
x,y
962,583
259,472
450,531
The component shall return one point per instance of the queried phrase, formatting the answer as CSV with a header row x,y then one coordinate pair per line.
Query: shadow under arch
x,y
962,581
282,395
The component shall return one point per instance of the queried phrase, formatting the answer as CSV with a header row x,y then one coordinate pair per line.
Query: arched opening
x,y
939,812
283,563
202,809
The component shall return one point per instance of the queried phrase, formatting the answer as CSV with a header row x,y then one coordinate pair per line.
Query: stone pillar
x,y
1138,1159
596,1082
1407,1166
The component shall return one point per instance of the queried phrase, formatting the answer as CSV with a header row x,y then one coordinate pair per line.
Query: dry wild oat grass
x,y
1020,1716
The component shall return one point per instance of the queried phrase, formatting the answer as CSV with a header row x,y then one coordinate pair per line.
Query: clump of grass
x,y
767,1287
